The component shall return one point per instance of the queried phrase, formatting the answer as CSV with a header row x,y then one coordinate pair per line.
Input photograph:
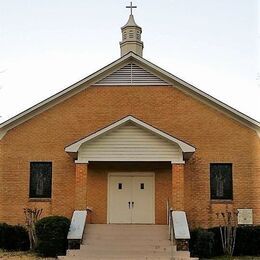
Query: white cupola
x,y
131,36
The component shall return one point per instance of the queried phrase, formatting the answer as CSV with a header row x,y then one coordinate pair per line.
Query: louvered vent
x,y
131,74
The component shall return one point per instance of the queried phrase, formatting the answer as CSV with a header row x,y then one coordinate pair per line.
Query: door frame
x,y
130,174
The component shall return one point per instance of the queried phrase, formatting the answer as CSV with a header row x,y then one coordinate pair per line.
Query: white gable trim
x,y
202,94
186,148
60,95
95,77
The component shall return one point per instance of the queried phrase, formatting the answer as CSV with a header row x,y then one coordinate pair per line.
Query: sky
x,y
46,46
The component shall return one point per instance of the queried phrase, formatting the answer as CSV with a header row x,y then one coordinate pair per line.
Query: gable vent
x,y
131,74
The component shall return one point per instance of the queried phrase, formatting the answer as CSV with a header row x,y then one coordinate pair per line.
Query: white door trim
x,y
130,174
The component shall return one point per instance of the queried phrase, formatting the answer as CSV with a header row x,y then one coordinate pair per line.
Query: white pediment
x,y
130,139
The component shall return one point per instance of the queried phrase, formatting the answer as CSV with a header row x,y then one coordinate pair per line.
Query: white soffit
x,y
186,148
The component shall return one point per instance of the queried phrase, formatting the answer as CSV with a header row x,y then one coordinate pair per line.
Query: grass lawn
x,y
13,255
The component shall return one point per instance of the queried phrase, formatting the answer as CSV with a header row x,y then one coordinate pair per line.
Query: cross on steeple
x,y
131,6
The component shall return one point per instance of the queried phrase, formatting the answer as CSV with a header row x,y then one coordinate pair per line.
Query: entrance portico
x,y
120,166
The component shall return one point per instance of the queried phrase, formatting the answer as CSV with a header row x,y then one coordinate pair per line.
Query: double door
x,y
131,199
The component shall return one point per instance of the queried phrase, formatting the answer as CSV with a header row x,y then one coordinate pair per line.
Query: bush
x,y
202,243
52,235
14,237
217,250
247,241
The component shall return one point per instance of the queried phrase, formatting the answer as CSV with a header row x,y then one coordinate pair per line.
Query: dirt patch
x,y
21,256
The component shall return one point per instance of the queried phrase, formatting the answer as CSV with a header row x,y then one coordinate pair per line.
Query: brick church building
x,y
127,142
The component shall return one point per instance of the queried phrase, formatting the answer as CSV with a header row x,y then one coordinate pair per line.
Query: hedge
x,y
207,242
247,241
52,235
202,243
13,237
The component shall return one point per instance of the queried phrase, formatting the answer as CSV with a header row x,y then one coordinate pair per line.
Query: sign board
x,y
180,225
245,216
77,224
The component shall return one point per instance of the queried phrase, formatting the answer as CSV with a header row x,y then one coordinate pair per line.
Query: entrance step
x,y
120,241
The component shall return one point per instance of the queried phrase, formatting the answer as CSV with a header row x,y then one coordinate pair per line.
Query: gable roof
x,y
185,147
114,66
132,74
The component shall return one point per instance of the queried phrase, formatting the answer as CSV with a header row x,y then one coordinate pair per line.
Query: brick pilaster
x,y
81,186
178,186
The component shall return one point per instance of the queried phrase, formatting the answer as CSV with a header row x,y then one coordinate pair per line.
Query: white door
x,y
142,200
131,199
120,198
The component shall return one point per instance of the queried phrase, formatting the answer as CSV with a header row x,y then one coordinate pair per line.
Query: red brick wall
x,y
217,138
81,184
178,190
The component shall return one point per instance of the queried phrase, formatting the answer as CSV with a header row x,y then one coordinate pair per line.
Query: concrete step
x,y
125,253
123,258
145,252
132,231
135,242
122,251
135,247
129,243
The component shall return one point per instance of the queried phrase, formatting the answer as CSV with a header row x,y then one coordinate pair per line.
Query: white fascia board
x,y
2,133
184,146
198,91
132,160
73,148
65,91
91,79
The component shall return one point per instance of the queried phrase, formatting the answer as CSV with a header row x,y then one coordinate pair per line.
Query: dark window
x,y
221,181
120,186
142,186
40,179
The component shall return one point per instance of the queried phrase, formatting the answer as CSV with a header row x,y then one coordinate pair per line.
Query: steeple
x,y
131,36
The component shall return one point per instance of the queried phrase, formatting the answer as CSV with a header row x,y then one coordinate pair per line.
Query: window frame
x,y
33,196
224,198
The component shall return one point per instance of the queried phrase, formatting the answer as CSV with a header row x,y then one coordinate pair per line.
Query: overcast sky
x,y
47,45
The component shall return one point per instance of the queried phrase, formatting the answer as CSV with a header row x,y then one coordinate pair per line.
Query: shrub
x,y
202,243
52,235
217,250
247,241
14,237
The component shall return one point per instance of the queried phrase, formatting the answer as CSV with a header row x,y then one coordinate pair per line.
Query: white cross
x,y
131,7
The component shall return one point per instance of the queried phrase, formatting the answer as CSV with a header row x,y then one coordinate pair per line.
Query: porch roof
x,y
184,147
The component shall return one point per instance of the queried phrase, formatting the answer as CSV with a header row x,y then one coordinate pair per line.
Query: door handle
x,y
133,203
129,204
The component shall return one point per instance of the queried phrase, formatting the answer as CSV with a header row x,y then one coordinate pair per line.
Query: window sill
x,y
39,199
216,201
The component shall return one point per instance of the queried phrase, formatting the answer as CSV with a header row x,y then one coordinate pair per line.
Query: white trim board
x,y
95,77
186,148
